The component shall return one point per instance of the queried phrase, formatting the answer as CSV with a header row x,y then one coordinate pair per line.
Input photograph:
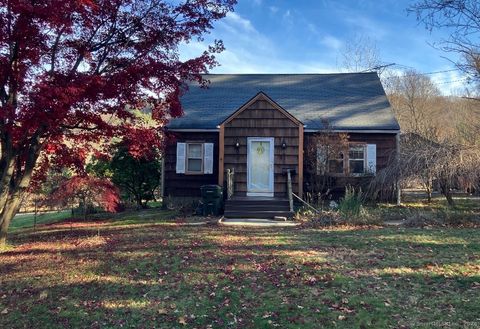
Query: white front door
x,y
260,158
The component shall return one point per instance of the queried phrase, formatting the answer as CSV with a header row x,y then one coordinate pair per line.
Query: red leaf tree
x,y
70,70
87,191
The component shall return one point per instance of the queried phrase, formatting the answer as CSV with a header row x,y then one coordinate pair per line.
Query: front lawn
x,y
101,275
28,220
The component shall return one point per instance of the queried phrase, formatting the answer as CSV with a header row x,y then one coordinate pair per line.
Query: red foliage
x,y
87,189
70,70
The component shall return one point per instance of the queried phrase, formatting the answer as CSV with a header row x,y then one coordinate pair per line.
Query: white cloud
x,y
365,26
331,42
237,21
273,9
312,28
325,39
287,19
249,51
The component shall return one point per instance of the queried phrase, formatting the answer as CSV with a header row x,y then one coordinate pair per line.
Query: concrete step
x,y
256,222
270,214
258,207
254,201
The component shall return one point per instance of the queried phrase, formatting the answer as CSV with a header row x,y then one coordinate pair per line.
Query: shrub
x,y
184,206
352,204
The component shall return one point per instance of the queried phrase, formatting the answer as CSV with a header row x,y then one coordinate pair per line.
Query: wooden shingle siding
x,y
261,119
188,185
385,147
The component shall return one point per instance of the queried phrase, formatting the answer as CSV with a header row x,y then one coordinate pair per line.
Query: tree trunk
x,y
445,188
5,182
399,193
449,197
138,200
84,201
14,190
429,194
11,208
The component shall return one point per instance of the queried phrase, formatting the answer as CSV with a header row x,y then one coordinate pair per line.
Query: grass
x,y
109,274
27,220
466,210
145,216
439,203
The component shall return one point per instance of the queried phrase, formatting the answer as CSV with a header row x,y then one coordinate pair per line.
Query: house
x,y
260,126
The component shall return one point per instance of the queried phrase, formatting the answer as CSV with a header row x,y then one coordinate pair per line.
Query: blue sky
x,y
308,36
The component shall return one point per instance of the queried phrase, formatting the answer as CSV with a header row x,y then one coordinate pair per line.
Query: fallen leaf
x,y
43,295
182,320
162,311
5,311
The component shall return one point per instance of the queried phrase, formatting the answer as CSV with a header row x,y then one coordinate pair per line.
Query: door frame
x,y
271,191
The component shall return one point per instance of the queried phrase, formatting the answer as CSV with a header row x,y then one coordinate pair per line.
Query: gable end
x,y
259,102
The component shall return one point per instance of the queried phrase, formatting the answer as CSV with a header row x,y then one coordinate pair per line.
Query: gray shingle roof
x,y
347,101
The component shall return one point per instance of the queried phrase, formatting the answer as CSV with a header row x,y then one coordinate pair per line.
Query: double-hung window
x,y
356,159
194,158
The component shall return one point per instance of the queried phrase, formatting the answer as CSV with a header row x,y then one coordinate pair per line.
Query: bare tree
x,y
439,137
414,98
360,54
462,18
467,120
328,149
451,165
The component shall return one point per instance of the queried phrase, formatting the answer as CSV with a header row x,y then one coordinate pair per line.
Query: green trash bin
x,y
212,199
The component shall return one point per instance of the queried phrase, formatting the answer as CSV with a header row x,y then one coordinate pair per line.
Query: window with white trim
x,y
360,159
194,158
356,159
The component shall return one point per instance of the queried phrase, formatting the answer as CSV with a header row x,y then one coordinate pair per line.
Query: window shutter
x,y
371,158
208,158
321,161
181,149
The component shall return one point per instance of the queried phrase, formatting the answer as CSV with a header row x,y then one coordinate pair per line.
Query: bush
x,y
185,206
350,211
352,204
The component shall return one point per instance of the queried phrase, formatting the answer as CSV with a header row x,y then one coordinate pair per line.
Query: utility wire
x,y
452,81
418,74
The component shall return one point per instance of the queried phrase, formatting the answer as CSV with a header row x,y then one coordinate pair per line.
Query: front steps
x,y
257,207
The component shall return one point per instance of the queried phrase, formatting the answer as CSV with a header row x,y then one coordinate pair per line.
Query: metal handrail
x,y
306,203
291,194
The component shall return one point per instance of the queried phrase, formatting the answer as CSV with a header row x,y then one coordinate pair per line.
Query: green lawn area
x,y
439,203
107,274
26,220
154,215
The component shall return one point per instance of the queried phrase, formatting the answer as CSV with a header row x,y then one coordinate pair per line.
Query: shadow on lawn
x,y
380,244
148,275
